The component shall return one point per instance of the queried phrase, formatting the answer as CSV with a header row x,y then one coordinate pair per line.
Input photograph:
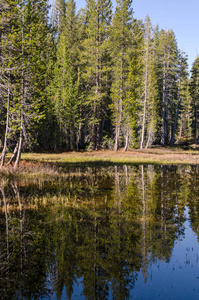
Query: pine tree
x,y
133,103
194,92
9,30
58,16
181,95
96,73
121,41
34,35
85,79
185,128
149,115
28,32
166,62
66,85
44,132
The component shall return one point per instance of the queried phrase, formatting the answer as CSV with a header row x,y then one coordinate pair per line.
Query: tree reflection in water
x,y
102,225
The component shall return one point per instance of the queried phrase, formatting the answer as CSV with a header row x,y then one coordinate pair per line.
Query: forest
x,y
93,79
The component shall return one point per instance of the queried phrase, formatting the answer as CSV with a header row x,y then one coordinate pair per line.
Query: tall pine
x,y
66,84
121,42
194,92
96,72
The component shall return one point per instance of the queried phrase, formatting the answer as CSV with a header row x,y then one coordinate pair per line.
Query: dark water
x,y
128,232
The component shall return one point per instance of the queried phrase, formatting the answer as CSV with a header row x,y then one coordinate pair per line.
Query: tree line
x,y
91,79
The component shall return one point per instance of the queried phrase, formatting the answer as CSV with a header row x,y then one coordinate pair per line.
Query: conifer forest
x,y
91,79
102,109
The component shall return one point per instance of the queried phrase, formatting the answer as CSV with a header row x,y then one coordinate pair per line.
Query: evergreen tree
x,y
28,32
66,85
96,72
58,16
194,92
142,95
166,67
181,95
9,31
185,128
121,42
149,115
34,32
90,77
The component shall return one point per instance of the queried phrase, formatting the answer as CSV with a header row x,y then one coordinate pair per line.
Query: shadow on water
x,y
90,232
102,164
95,164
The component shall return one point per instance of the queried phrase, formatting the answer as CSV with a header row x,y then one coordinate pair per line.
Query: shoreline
x,y
135,156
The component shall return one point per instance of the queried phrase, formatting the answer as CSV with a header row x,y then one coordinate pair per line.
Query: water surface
x,y
123,232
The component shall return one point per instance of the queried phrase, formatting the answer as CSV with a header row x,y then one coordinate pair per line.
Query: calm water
x,y
128,232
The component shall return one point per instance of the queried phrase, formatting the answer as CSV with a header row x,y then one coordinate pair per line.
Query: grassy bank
x,y
146,156
40,165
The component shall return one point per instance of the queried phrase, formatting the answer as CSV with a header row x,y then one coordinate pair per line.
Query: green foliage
x,y
90,77
23,64
65,88
135,80
107,143
194,93
121,43
95,59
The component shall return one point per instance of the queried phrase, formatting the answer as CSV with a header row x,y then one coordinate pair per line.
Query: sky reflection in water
x,y
127,232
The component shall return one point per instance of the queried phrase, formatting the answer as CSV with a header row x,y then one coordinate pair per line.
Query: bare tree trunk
x,y
78,135
118,124
145,90
196,116
95,129
181,126
116,137
22,99
126,141
18,156
3,154
148,140
163,135
13,158
177,108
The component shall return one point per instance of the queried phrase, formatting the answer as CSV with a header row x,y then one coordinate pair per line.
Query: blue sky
x,y
180,15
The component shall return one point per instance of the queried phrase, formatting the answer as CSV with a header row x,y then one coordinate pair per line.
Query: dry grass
x,y
52,164
154,156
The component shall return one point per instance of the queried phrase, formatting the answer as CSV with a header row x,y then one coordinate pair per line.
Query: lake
x,y
115,232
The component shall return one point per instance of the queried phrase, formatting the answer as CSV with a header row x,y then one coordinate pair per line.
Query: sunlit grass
x,y
53,164
151,156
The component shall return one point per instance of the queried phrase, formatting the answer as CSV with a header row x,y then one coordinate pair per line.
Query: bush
x,y
107,143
